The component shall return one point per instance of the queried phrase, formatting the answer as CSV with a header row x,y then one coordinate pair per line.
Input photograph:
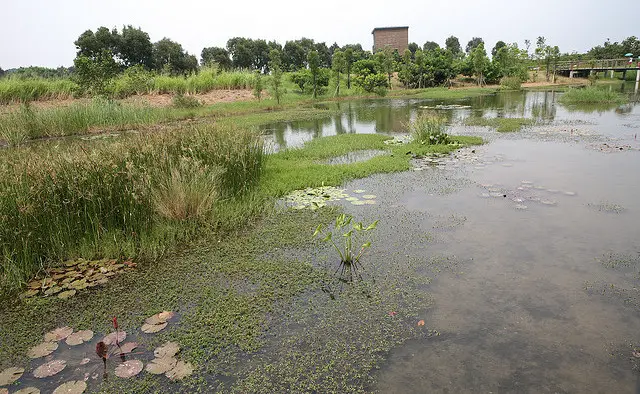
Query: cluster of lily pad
x,y
446,107
318,197
524,192
75,275
165,361
462,156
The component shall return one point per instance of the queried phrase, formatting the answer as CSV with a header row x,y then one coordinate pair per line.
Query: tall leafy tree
x,y
241,51
479,61
430,46
385,61
313,59
169,57
294,55
324,53
348,59
275,67
473,43
135,47
452,44
216,55
496,48
413,47
338,65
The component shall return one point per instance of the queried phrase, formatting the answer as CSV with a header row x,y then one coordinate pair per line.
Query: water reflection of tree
x,y
279,130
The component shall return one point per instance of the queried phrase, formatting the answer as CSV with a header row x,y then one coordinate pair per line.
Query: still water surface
x,y
547,298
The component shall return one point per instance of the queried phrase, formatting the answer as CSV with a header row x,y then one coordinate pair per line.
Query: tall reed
x,y
24,90
103,200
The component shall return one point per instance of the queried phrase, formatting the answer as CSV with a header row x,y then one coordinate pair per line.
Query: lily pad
x,y
128,347
129,368
158,366
153,328
66,294
28,390
10,375
79,337
370,202
180,371
159,318
369,196
359,202
169,349
72,387
49,369
359,191
58,334
85,360
114,337
43,349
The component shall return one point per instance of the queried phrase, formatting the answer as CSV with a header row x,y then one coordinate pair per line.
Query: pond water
x,y
545,223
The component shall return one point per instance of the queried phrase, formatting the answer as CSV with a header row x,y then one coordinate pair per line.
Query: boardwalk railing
x,y
603,64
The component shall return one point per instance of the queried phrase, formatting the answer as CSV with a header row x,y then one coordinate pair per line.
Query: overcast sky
x,y
42,32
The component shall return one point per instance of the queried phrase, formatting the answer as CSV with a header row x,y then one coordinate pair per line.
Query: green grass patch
x,y
502,125
592,95
300,168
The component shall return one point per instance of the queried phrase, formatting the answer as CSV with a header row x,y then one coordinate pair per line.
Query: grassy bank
x,y
592,95
25,90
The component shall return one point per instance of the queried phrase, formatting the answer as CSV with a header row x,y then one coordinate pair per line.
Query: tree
x,y
257,85
405,73
453,45
294,56
430,46
241,51
496,48
275,66
169,56
349,59
479,61
93,74
2,72
313,59
509,61
473,43
413,47
338,65
216,55
260,52
369,78
385,61
135,48
324,53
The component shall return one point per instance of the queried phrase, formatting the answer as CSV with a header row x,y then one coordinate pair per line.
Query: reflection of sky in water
x,y
392,115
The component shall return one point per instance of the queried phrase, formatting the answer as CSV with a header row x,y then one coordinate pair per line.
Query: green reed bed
x,y
592,95
28,122
24,90
132,198
203,82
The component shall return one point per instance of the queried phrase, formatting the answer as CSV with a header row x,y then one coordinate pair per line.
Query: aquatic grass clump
x,y
188,190
429,130
592,95
502,125
113,200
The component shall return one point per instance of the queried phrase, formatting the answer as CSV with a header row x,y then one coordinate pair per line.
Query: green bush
x,y
510,83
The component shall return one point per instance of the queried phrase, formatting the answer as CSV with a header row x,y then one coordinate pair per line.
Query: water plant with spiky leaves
x,y
349,258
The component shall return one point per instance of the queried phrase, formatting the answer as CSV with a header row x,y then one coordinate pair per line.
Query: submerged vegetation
x,y
502,125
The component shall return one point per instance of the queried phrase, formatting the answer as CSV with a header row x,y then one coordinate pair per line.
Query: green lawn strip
x,y
502,125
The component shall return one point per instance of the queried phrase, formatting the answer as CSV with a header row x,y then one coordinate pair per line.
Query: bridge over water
x,y
583,68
